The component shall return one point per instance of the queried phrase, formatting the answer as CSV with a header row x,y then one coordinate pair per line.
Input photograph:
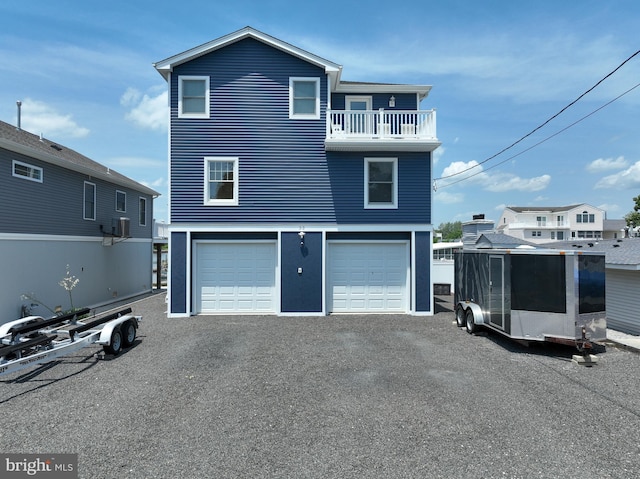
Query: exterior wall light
x,y
392,102
301,234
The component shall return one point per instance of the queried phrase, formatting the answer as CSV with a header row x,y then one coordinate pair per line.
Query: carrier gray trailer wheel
x,y
128,333
460,316
116,343
471,326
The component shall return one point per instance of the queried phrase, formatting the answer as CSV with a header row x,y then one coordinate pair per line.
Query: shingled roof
x,y
34,146
619,253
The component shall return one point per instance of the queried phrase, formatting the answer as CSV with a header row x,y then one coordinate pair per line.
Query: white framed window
x,y
27,171
221,181
142,211
193,96
380,183
89,208
304,98
121,201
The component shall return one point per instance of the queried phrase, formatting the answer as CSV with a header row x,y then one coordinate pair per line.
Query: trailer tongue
x,y
33,340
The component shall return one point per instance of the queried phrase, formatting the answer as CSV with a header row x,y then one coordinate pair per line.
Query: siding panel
x,y
55,206
284,173
622,300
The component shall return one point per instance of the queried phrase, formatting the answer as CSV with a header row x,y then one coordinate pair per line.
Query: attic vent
x,y
55,147
616,246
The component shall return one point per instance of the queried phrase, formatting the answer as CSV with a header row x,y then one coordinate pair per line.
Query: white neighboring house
x,y
541,224
443,271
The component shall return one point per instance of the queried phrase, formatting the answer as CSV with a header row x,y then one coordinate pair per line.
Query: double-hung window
x,y
380,183
142,211
193,97
89,209
121,201
304,98
27,171
221,181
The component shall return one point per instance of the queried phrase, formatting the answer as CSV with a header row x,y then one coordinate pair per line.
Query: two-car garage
x,y
244,277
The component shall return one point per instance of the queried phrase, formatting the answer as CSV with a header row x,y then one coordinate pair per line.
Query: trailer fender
x,y
5,329
109,327
478,317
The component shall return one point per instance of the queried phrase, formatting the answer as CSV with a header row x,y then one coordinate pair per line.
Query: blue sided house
x,y
292,191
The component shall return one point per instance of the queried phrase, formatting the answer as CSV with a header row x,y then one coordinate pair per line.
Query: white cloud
x,y
508,182
448,198
468,173
624,180
40,118
605,164
134,162
147,111
438,154
609,208
158,183
457,171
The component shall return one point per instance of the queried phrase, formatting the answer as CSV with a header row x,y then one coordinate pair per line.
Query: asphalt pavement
x,y
347,396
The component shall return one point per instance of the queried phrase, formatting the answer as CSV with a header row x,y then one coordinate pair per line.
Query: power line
x,y
544,123
535,144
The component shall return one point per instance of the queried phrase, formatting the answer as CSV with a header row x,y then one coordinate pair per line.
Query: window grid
x,y
221,180
27,172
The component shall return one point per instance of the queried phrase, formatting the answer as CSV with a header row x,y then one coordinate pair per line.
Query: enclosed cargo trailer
x,y
533,294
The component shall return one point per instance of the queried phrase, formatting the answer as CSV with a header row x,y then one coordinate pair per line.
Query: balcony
x,y
381,130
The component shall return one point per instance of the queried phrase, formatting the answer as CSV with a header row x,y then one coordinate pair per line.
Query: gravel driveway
x,y
360,396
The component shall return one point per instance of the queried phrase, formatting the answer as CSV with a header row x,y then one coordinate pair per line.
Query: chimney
x,y
19,103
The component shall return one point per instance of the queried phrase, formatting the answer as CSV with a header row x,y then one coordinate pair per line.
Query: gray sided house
x,y
292,191
60,208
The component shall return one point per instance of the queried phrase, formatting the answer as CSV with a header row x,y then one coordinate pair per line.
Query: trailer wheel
x,y
460,317
471,326
128,333
116,343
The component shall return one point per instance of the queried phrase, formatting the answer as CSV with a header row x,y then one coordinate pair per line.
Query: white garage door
x,y
235,277
367,277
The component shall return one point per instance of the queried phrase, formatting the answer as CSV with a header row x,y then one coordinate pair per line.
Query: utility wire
x,y
534,145
542,124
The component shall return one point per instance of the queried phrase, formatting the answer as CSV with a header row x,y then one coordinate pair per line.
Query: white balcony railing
x,y
381,124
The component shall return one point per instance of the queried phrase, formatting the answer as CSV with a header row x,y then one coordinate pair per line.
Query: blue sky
x,y
499,69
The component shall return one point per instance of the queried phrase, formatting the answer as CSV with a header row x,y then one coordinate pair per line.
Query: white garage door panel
x,y
367,277
237,277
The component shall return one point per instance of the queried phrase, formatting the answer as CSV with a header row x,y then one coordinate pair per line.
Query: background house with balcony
x,y
61,208
550,223
292,191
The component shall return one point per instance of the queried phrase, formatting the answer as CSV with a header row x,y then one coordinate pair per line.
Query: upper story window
x,y
380,183
27,171
585,217
304,98
221,181
89,209
142,212
193,97
541,220
121,201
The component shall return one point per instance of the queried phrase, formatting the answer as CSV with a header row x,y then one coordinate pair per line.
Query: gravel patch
x,y
361,396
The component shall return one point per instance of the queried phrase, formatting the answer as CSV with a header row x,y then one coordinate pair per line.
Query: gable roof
x,y
34,146
333,70
553,209
165,66
501,241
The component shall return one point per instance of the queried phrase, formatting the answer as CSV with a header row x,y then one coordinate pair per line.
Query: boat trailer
x,y
34,340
